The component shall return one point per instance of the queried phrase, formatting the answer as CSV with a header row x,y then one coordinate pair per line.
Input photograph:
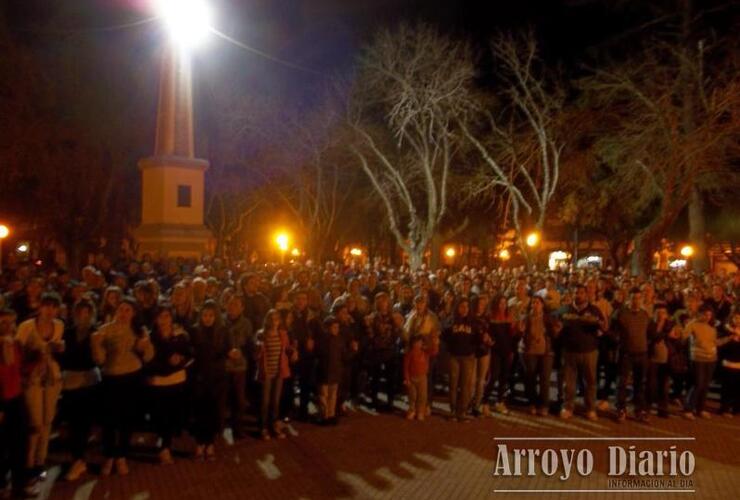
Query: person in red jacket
x,y
13,416
415,371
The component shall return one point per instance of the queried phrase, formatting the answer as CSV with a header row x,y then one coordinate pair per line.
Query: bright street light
x,y
295,252
450,252
504,254
188,21
533,239
282,240
357,252
687,251
22,248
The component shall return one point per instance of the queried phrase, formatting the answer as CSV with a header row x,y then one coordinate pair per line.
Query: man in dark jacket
x,y
306,329
581,324
630,326
256,304
241,332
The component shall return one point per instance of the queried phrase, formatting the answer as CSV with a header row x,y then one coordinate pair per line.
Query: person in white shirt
x,y
41,340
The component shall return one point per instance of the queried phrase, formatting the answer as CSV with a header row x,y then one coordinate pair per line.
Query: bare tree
x,y
300,162
412,83
519,141
649,144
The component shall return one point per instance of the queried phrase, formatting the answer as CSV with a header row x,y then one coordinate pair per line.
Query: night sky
x,y
323,35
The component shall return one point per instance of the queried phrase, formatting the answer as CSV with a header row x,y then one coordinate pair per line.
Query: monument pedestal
x,y
172,207
172,180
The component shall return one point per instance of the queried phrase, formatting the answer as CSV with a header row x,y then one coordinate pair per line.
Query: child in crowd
x,y
274,355
333,354
415,372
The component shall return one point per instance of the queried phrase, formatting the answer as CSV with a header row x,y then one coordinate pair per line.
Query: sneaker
x,y
643,417
565,414
165,457
410,415
705,414
210,453
107,467
41,473
78,468
592,416
728,414
465,419
279,434
420,417
200,451
621,416
265,434
121,467
689,415
543,412
452,418
603,405
502,409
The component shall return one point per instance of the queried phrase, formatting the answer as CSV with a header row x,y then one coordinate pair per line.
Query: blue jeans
x,y
636,364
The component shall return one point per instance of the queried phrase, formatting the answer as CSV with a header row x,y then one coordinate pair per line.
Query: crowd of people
x,y
174,346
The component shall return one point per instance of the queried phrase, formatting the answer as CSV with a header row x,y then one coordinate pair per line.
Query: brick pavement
x,y
384,456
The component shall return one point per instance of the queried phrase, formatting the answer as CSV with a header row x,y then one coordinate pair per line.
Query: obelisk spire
x,y
174,135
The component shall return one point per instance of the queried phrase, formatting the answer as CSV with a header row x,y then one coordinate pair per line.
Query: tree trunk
x,y
435,252
697,231
416,258
642,257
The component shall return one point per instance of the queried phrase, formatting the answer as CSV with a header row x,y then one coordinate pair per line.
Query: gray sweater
x,y
703,338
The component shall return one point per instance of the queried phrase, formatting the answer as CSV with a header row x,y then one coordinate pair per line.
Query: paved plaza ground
x,y
385,456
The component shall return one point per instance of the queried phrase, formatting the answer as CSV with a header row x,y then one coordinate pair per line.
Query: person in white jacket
x,y
41,341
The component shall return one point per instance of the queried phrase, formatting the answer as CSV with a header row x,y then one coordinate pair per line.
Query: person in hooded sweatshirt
x,y
212,346
333,353
461,338
81,383
167,379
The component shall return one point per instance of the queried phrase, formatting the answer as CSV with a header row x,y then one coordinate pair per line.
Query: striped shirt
x,y
272,346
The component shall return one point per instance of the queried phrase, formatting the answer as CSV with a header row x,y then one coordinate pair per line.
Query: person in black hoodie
x,y
384,331
461,338
333,353
167,378
211,345
80,383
